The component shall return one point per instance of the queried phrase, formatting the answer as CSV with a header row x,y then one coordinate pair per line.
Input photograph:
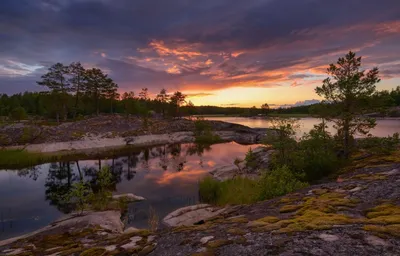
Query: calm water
x,y
383,128
166,176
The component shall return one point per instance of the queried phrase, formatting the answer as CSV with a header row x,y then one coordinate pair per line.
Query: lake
x,y
166,176
384,127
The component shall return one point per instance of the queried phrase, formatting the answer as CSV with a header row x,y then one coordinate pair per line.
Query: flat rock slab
x,y
190,215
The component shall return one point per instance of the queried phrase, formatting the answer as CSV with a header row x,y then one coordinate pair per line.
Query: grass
x,y
242,190
233,191
17,158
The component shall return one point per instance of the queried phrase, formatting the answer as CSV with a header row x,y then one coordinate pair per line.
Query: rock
x,y
376,241
328,237
205,239
132,243
225,172
129,196
190,215
392,172
147,249
14,252
202,249
355,189
110,248
151,239
108,220
130,230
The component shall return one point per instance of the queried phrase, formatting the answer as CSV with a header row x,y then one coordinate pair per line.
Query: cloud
x,y
200,94
205,46
305,103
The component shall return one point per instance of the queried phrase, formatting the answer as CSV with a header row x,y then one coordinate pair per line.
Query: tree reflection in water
x,y
62,175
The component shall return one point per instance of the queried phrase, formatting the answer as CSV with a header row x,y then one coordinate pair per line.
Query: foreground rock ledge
x,y
191,215
107,220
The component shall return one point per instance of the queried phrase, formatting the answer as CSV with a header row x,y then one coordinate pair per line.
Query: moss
x,y
236,231
315,213
240,240
237,220
203,227
290,208
209,252
146,250
393,230
69,252
218,243
268,219
97,251
319,191
383,210
369,177
384,214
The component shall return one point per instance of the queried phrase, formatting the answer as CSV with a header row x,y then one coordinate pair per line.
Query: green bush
x,y
279,182
378,145
203,132
208,138
80,195
234,191
240,190
101,197
250,159
313,155
18,114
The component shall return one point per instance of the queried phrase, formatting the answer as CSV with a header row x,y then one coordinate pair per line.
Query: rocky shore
x,y
356,214
108,132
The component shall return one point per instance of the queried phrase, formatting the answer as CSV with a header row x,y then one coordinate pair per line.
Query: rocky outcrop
x,y
107,220
190,215
346,216
261,159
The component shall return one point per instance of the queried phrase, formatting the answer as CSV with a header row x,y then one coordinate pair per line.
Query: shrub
x,y
241,190
279,182
18,113
203,132
80,195
250,159
378,145
102,190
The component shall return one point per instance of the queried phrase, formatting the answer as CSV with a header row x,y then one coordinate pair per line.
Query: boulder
x,y
225,172
190,215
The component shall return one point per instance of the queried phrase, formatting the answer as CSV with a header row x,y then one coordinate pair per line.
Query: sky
x,y
218,52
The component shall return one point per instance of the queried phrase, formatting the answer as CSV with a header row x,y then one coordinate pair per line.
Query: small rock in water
x,y
376,241
328,237
205,239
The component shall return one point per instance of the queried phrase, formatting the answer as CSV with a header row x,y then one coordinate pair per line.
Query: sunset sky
x,y
218,52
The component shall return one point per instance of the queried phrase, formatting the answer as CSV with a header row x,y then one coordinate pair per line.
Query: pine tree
x,y
77,79
350,90
56,80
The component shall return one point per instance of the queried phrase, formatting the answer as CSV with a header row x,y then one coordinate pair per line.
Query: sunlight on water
x,y
166,176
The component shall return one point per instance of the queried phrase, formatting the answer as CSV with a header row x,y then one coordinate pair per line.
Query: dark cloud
x,y
201,45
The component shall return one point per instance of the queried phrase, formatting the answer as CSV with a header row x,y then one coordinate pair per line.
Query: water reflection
x,y
167,176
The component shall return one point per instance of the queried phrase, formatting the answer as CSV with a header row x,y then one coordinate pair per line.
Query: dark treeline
x,y
73,92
